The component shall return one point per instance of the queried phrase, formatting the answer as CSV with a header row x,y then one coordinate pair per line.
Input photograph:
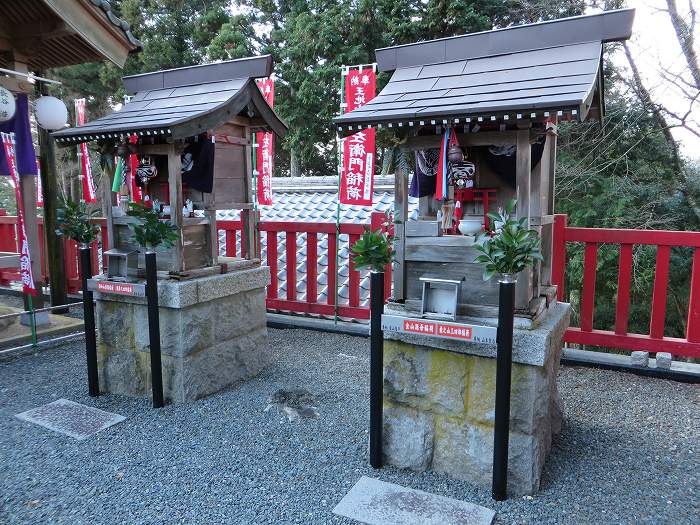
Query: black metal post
x,y
89,319
504,354
376,369
154,329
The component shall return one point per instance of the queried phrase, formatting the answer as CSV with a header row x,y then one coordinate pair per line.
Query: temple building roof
x,y
528,71
183,102
55,33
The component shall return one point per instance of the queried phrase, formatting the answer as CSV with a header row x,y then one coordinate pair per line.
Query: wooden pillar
x,y
546,203
55,258
523,290
400,218
175,186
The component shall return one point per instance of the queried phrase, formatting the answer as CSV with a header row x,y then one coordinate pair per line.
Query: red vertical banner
x,y
357,175
136,194
25,260
85,166
265,152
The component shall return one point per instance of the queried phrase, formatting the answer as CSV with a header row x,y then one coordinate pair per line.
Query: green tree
x,y
311,39
624,175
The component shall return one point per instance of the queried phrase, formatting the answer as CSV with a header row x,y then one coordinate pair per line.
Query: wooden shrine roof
x,y
526,71
55,33
183,102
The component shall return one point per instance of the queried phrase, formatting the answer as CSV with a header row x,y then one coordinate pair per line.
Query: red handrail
x,y
655,340
8,243
315,233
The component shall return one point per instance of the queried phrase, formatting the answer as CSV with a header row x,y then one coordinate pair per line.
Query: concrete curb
x,y
321,325
679,371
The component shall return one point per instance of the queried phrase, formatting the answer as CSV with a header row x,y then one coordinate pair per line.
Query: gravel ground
x,y
628,452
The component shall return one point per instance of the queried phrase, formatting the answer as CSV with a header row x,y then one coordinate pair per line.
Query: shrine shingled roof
x,y
183,102
526,71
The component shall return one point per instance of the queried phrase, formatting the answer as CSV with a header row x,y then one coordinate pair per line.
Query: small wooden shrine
x,y
183,145
501,94
170,122
479,112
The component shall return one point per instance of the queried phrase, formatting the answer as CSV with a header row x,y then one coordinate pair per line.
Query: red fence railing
x,y
8,243
655,340
307,300
310,285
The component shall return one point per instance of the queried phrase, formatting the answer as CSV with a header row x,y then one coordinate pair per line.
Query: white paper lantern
x,y
51,113
7,105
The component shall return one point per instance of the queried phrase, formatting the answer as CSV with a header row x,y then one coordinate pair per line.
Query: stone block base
x,y
439,409
213,334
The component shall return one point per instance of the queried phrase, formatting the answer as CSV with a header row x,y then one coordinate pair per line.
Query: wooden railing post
x,y
624,278
291,248
590,261
331,268
559,254
311,267
658,302
272,263
693,326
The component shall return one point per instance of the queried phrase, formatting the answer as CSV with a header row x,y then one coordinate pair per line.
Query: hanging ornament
x,y
7,104
145,171
51,113
454,152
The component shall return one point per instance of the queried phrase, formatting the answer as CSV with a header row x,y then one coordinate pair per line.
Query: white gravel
x,y
628,453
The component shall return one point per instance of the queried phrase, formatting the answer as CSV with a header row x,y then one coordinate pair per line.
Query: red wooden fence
x,y
291,230
8,243
586,334
655,340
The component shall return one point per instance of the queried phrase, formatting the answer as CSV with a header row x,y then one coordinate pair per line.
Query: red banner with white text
x,y
357,175
85,166
265,152
25,259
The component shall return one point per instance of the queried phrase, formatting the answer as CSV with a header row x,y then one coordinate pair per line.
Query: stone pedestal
x,y
213,334
439,398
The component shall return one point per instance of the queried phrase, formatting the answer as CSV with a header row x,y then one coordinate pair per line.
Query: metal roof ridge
x,y
605,26
481,57
509,28
194,66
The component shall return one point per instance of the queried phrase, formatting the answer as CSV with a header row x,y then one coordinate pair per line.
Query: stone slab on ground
x,y
376,502
71,418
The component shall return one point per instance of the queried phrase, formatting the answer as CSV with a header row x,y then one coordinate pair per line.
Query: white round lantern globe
x,y
7,104
51,113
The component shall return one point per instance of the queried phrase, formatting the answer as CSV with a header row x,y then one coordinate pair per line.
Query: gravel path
x,y
628,452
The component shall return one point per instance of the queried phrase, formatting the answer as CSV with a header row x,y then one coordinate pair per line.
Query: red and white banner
x,y
25,259
85,166
136,193
265,152
357,175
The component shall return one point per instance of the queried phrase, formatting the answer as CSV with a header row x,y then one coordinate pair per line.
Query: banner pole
x,y
79,154
32,318
256,226
339,141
